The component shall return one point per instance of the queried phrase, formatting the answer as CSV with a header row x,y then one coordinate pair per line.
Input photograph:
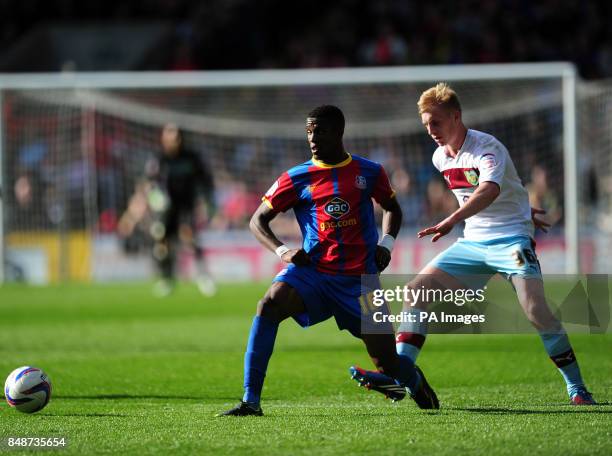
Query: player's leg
x,y
390,368
165,234
516,258
443,273
163,256
280,302
530,293
395,373
351,305
204,281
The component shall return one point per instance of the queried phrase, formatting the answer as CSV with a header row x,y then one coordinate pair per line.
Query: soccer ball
x,y
28,389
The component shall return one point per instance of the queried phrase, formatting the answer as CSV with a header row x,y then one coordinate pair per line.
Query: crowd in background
x,y
56,180
231,34
74,188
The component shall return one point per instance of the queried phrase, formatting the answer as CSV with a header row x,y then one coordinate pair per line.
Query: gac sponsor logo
x,y
337,207
332,224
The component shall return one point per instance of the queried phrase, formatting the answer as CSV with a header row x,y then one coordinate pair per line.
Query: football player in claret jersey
x,y
331,196
499,226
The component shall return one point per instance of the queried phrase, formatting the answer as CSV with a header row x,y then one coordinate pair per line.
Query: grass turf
x,y
136,375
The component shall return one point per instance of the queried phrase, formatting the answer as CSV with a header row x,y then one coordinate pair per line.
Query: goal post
x,y
3,191
256,115
570,171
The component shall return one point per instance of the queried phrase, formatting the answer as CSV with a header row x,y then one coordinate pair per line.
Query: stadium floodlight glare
x,y
221,108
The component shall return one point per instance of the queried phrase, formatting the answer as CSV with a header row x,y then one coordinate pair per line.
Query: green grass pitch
x,y
136,375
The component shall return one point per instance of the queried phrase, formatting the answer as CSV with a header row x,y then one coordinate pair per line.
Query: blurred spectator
x,y
32,153
222,34
440,202
409,200
29,212
110,153
387,48
542,196
236,206
182,58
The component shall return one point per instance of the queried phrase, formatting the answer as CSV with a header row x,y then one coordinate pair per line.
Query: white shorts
x,y
507,256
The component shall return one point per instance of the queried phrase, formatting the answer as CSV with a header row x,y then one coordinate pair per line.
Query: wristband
x,y
387,242
280,251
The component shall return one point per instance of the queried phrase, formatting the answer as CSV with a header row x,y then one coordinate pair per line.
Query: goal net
x,y
75,148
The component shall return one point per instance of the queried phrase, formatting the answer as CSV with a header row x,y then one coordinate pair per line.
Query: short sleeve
x,y
382,188
492,165
281,196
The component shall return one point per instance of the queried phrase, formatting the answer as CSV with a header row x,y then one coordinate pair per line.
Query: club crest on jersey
x,y
360,182
337,208
471,176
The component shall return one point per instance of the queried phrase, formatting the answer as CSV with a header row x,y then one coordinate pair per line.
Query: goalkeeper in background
x,y
178,184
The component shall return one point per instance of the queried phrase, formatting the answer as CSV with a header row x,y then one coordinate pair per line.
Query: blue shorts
x,y
326,296
480,260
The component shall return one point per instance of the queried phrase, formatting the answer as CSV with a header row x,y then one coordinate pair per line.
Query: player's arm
x,y
205,185
482,198
537,221
153,170
391,223
384,195
260,227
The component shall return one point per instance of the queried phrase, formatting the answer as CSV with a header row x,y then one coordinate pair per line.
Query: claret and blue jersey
x,y
333,207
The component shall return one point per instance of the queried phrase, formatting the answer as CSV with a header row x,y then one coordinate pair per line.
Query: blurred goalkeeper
x,y
180,187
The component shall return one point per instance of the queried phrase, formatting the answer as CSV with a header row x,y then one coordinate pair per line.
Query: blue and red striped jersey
x,y
333,206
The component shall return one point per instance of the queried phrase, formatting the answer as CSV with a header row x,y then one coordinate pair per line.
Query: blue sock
x,y
258,352
561,353
408,375
408,350
411,334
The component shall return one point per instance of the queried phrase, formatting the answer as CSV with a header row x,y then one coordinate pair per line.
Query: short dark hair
x,y
330,112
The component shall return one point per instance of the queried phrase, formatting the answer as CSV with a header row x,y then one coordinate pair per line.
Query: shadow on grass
x,y
144,396
513,411
89,415
271,415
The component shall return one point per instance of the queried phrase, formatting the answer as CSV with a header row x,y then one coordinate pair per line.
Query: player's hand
x,y
539,223
382,257
296,256
439,230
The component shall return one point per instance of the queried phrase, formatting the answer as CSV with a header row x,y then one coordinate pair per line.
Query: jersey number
x,y
526,255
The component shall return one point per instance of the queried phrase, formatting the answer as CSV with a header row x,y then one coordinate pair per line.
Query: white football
x,y
27,389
